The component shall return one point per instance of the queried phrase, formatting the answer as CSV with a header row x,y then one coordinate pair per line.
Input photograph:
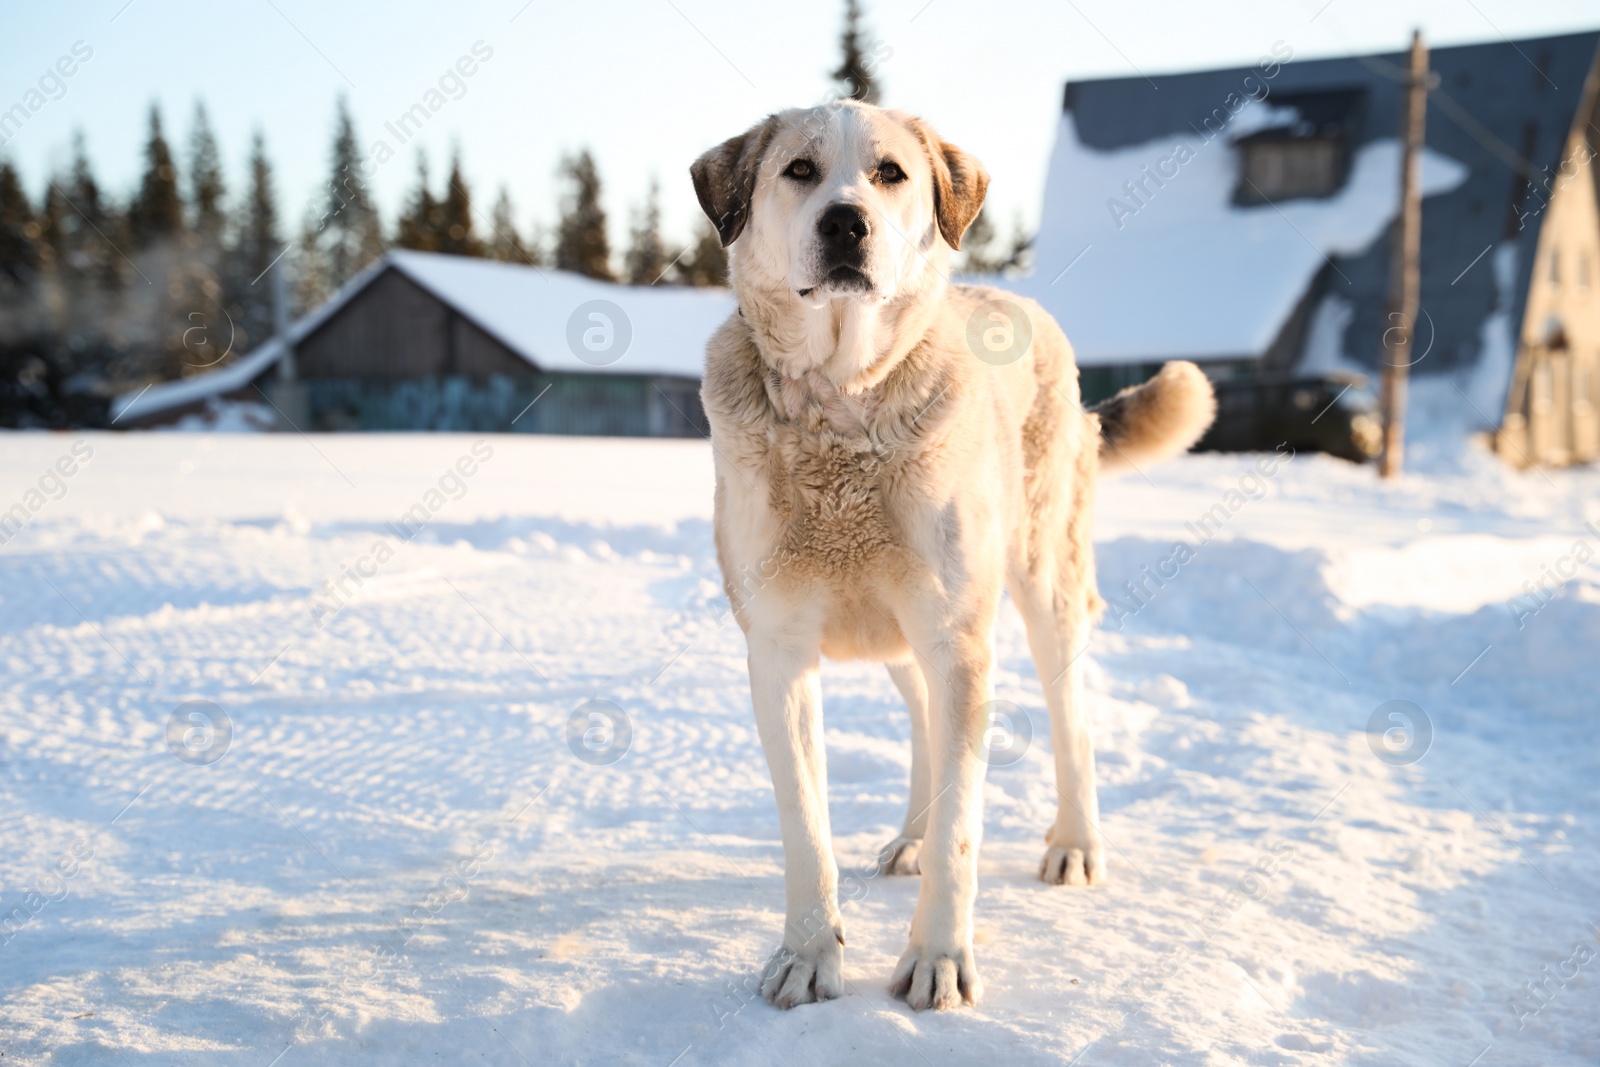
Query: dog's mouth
x,y
841,279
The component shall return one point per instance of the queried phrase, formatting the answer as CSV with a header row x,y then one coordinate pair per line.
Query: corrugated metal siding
x,y
616,405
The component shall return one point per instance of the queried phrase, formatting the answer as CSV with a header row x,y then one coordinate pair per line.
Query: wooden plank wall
x,y
395,329
605,405
398,358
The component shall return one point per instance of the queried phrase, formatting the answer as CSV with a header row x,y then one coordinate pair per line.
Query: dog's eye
x,y
800,170
889,172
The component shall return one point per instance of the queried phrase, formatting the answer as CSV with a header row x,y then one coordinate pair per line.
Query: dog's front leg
x,y
937,970
786,692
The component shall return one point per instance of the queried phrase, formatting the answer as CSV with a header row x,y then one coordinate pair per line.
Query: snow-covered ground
x,y
429,837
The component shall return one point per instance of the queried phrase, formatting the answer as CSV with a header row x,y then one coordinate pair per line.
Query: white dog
x,y
891,450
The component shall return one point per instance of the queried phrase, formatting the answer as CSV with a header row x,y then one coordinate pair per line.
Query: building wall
x,y
603,405
1553,408
395,329
398,358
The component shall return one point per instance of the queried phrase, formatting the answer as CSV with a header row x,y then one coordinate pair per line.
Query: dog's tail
x,y
1154,421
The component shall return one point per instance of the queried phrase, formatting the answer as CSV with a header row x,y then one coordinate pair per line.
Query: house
x,y
1242,219
423,341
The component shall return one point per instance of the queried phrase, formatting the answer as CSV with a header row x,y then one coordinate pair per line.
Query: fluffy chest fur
x,y
831,475
829,499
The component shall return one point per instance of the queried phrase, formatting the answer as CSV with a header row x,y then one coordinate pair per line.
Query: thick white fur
x,y
1154,421
877,485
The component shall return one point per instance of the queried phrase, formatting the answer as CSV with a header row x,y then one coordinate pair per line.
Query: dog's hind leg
x,y
900,856
1052,581
786,692
1058,633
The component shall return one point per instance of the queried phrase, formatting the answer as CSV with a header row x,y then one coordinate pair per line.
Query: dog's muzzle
x,y
841,233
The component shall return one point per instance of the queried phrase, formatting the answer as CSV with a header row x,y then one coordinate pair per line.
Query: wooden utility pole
x,y
1405,272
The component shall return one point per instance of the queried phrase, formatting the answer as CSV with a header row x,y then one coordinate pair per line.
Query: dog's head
x,y
845,200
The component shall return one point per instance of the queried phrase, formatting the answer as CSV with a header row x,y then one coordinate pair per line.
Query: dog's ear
x,y
959,182
725,179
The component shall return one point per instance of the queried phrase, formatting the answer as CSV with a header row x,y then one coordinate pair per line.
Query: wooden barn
x,y
1242,218
422,341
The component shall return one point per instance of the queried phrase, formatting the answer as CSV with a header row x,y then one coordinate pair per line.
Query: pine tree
x,y
856,77
79,226
19,249
54,227
982,251
180,287
157,209
312,283
258,243
706,262
581,242
202,274
206,187
348,235
541,245
456,235
505,244
418,226
258,240
81,276
1020,258
647,257
977,252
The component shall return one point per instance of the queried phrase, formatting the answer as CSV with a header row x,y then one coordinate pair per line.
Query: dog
x,y
891,449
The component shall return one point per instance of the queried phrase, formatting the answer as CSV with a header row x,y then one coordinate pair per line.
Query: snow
x,y
1491,380
1325,338
227,416
1447,406
541,314
1225,277
407,854
208,387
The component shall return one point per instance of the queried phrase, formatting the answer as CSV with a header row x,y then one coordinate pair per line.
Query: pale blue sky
x,y
647,84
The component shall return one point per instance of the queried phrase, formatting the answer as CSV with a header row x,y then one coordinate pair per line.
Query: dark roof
x,y
1329,112
1496,105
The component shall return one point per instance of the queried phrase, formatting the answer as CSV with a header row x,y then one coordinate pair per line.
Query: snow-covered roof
x,y
1189,272
167,396
1182,270
530,310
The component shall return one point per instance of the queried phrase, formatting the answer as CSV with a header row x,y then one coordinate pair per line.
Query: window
x,y
1283,170
1307,154
1555,267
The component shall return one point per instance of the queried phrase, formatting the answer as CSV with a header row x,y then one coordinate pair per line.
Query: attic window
x,y
1307,155
1283,170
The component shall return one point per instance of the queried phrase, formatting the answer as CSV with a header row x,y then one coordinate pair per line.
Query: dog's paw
x,y
812,973
1073,862
940,978
1073,866
900,856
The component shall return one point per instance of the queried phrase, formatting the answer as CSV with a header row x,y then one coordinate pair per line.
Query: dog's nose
x,y
842,229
